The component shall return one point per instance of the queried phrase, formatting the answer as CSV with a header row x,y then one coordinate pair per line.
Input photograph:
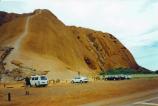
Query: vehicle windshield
x,y
85,78
43,78
77,78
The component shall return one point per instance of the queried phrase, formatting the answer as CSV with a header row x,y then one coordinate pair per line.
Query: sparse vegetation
x,y
156,72
57,81
125,71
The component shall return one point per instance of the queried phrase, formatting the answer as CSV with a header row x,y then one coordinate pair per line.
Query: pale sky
x,y
133,22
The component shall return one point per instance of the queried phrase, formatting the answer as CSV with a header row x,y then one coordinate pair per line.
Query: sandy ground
x,y
75,94
144,98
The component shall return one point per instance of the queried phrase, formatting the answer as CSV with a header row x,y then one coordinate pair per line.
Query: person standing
x,y
27,81
27,85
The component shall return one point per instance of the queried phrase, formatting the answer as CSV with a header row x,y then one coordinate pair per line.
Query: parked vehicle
x,y
128,76
39,80
79,79
117,77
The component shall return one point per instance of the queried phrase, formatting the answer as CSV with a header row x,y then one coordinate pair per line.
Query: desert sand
x,y
75,94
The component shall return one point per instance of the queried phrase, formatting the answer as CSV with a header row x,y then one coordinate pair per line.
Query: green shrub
x,y
124,71
156,72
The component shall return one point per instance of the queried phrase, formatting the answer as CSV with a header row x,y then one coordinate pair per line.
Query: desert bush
x,y
57,80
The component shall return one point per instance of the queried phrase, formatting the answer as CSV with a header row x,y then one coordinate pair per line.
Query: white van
x,y
39,80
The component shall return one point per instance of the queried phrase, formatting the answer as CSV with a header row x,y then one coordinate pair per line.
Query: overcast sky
x,y
133,22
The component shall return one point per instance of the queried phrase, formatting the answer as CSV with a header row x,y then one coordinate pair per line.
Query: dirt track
x,y
76,94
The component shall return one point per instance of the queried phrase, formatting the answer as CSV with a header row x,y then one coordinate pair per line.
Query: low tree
x,y
125,71
156,71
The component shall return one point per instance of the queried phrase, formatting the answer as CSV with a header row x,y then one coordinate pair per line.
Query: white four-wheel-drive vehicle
x,y
39,80
79,79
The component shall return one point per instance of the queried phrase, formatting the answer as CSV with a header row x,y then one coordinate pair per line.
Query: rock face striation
x,y
43,42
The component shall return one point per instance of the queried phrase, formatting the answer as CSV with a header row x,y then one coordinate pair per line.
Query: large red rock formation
x,y
42,41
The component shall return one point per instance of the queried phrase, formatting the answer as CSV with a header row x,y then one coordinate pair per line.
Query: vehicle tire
x,y
30,85
81,81
36,85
